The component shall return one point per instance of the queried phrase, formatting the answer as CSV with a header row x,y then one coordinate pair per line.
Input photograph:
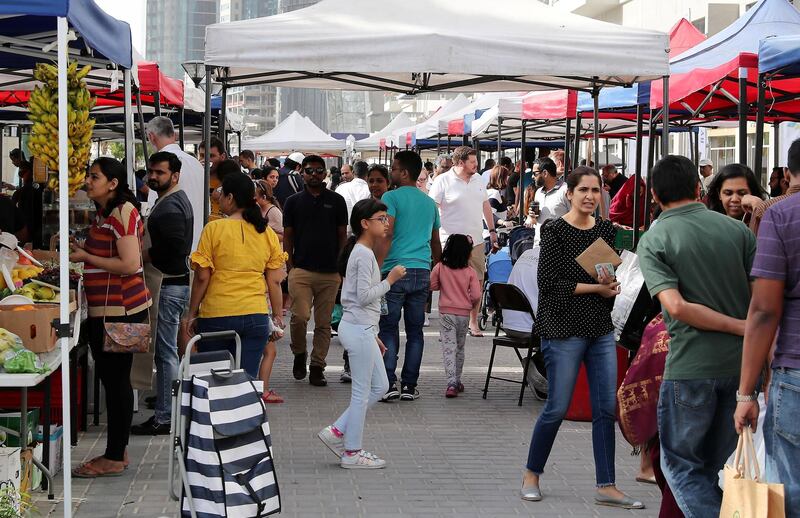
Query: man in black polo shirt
x,y
315,231
169,228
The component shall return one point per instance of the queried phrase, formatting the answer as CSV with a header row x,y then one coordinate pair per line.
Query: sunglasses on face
x,y
314,170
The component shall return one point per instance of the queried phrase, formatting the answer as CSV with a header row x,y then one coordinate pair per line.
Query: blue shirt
x,y
415,217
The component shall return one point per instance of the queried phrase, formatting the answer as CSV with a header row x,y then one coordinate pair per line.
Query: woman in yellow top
x,y
237,262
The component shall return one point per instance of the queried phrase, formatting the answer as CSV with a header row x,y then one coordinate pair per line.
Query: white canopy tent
x,y
429,127
413,46
373,142
481,103
295,133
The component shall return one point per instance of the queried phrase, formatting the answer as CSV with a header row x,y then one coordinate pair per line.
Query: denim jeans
x,y
172,300
563,358
695,426
253,332
782,436
408,295
369,380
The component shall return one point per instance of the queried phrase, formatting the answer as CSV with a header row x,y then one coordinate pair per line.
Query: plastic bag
x,y
23,362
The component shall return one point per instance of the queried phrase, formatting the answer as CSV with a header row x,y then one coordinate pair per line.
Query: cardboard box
x,y
10,470
34,326
10,420
56,447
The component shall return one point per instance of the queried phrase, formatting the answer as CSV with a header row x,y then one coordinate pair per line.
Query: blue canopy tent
x,y
40,30
779,55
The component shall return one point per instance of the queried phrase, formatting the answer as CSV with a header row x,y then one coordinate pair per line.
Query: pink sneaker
x,y
451,392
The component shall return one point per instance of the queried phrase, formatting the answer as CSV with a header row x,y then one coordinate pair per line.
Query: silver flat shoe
x,y
623,503
531,493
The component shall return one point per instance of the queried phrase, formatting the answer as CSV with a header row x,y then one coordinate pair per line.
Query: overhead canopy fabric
x,y
427,45
108,37
151,80
779,54
428,128
460,122
377,140
705,78
295,133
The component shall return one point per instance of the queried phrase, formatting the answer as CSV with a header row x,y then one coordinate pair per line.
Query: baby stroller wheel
x,y
482,322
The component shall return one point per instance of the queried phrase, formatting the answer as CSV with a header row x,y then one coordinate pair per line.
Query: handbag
x,y
746,496
126,337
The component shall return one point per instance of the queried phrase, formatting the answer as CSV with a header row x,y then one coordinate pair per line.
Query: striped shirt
x,y
778,258
107,293
761,208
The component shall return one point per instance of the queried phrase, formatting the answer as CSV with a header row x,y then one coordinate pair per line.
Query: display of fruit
x,y
5,292
50,275
43,112
38,293
20,274
9,340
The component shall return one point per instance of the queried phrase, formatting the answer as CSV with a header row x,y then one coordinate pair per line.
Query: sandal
x,y
647,480
475,334
272,397
87,470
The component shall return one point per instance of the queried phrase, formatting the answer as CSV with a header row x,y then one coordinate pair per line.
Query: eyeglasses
x,y
382,219
314,170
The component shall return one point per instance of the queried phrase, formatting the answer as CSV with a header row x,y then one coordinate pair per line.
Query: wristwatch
x,y
492,230
747,398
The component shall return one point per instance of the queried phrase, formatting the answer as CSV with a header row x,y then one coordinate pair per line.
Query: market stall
x,y
295,133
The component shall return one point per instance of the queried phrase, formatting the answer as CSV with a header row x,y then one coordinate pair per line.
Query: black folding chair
x,y
510,297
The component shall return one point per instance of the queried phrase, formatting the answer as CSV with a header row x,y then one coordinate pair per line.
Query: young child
x,y
362,293
459,292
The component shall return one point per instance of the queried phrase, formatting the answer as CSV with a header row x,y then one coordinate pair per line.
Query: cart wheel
x,y
482,322
494,319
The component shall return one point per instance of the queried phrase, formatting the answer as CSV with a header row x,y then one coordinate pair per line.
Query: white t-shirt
x,y
192,183
552,204
353,192
486,176
523,276
460,205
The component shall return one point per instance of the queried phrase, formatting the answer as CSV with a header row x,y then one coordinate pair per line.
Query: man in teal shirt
x,y
413,241
697,263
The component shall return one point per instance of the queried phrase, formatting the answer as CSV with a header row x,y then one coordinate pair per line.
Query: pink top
x,y
460,289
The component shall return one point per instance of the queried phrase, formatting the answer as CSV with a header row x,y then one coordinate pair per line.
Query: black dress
x,y
562,314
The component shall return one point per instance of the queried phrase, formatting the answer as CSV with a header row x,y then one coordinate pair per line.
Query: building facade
x,y
176,31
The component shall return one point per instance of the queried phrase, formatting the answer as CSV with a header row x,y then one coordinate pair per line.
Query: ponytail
x,y
344,257
252,215
244,195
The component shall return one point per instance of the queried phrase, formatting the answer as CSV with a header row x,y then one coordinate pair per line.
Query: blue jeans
x,y
782,436
253,331
172,300
563,358
409,295
369,380
695,426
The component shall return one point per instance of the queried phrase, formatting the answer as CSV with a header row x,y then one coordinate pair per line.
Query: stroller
x,y
220,437
520,240
498,269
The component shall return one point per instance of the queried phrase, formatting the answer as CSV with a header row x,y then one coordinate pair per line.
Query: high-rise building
x,y
256,104
176,31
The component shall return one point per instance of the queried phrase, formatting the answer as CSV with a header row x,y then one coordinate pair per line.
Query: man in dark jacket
x,y
289,180
169,228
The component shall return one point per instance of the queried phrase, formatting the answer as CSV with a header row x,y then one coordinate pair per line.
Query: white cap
x,y
297,157
705,161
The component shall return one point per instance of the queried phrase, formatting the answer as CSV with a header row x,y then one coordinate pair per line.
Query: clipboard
x,y
598,252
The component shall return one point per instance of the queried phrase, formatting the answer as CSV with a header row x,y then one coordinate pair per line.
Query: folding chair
x,y
510,297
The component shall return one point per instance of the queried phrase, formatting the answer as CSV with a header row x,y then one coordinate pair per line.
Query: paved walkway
x,y
460,457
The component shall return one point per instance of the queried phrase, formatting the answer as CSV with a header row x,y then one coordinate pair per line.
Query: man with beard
x,y
216,155
28,202
551,195
169,230
315,232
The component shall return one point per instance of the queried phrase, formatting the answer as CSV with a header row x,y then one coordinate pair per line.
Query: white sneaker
x,y
427,322
362,460
332,441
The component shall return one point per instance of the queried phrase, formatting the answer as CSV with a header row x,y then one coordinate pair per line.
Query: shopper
x,y
115,292
217,154
247,159
27,201
378,181
270,208
413,242
238,263
459,291
356,189
169,227
729,188
290,181
271,175
613,180
706,175
698,392
574,323
315,223
362,292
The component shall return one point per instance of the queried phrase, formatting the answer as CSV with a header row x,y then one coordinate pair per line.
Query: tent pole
x,y
576,155
464,140
596,124
499,141
776,140
157,103
665,124
239,139
521,196
651,151
762,100
637,170
696,148
448,144
380,154
180,128
476,146
567,142
145,154
743,116
207,140
130,151
223,115
438,144
622,153
63,251
608,157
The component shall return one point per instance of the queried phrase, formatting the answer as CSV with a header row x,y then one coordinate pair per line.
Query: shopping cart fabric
x,y
228,453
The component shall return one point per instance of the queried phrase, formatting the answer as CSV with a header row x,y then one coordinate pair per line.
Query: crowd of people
x,y
363,248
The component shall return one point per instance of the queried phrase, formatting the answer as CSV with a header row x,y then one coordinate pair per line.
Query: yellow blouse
x,y
238,257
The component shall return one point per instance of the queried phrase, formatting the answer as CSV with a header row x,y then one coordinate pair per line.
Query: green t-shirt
x,y
415,217
707,257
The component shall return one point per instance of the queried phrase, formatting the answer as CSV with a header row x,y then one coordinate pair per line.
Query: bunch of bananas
x,y
43,112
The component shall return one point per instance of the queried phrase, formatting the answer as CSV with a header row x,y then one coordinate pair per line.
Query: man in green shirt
x,y
697,262
413,242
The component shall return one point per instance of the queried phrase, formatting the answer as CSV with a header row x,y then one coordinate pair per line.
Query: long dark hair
x,y
363,209
457,251
726,173
244,196
264,189
112,169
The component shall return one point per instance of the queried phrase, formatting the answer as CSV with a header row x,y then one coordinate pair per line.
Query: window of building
x,y
765,155
722,150
700,24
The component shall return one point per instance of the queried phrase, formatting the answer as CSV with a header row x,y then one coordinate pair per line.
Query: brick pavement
x,y
460,457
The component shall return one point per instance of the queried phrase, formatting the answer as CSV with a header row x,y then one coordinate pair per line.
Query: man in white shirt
x,y
161,134
706,174
487,171
356,189
551,196
464,206
347,173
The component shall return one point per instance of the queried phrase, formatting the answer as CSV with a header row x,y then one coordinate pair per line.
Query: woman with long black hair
x,y
729,188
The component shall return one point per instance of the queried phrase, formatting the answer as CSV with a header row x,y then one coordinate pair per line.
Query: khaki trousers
x,y
317,290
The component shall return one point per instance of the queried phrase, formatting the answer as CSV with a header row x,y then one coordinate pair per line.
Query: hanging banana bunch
x,y
43,112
